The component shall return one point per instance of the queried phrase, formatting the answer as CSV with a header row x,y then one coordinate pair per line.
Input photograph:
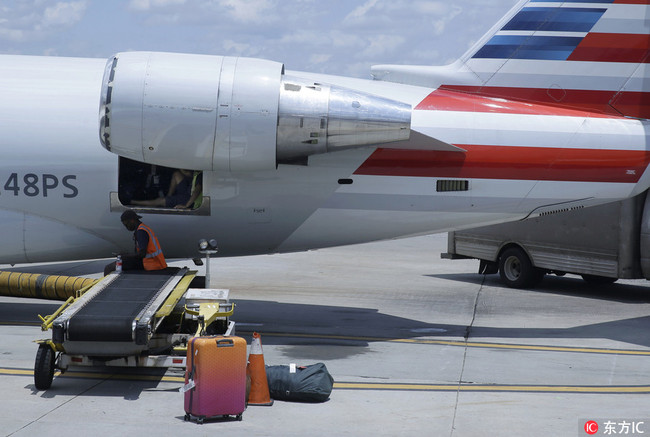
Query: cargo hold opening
x,y
158,189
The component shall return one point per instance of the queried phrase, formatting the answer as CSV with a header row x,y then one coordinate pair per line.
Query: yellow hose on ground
x,y
39,286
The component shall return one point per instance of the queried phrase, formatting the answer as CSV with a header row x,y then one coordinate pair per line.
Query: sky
x,y
342,37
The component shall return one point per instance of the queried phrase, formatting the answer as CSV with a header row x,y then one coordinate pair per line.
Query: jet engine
x,y
233,114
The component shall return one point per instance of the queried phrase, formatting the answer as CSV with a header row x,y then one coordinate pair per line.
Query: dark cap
x,y
129,214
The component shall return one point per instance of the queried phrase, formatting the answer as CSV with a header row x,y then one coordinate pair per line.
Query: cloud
x,y
63,14
440,25
248,11
12,34
320,58
360,12
380,44
342,39
207,13
302,33
304,38
336,37
235,48
36,19
147,5
431,8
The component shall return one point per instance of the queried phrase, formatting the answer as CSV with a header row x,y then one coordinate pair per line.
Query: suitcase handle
x,y
225,342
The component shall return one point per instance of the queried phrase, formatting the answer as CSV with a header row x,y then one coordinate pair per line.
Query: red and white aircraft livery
x,y
548,112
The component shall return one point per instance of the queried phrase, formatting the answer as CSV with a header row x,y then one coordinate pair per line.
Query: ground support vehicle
x,y
131,319
601,243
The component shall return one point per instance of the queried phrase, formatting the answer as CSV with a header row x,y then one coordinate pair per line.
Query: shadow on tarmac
x,y
109,382
565,285
26,313
632,331
363,325
346,331
331,321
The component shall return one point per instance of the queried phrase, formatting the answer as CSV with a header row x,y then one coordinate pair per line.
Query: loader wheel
x,y
516,270
44,367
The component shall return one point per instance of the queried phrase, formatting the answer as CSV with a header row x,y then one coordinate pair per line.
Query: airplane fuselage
x,y
59,187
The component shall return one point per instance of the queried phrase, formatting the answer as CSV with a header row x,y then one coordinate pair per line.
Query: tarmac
x,y
417,345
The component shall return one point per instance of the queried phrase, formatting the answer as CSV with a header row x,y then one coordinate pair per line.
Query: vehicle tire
x,y
44,367
598,280
516,269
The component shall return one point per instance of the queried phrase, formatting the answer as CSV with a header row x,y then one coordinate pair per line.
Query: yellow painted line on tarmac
x,y
21,372
95,375
528,347
485,345
637,389
644,389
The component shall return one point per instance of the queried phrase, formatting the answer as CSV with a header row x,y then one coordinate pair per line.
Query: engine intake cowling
x,y
233,114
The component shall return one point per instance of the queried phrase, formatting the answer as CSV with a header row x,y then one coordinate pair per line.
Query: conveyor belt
x,y
112,315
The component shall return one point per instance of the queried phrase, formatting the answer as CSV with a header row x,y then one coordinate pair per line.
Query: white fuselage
x,y
56,180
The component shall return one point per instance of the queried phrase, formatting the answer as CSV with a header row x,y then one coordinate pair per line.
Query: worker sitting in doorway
x,y
148,252
185,191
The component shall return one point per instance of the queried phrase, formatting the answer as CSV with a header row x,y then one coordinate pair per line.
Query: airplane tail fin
x,y
592,55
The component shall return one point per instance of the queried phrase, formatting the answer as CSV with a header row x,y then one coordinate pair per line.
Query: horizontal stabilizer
x,y
420,141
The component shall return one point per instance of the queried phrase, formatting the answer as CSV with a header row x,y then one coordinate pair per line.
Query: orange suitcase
x,y
215,377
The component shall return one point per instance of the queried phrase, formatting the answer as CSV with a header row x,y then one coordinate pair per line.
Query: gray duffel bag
x,y
308,384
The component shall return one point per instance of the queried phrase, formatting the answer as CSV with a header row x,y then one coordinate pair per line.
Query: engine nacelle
x,y
233,114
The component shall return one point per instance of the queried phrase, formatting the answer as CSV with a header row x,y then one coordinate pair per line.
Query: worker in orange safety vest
x,y
148,252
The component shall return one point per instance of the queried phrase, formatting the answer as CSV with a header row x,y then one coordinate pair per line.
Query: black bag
x,y
308,384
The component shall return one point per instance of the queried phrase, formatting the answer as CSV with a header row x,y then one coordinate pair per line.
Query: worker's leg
x,y
132,263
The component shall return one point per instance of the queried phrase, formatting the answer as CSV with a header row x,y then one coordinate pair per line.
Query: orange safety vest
x,y
154,259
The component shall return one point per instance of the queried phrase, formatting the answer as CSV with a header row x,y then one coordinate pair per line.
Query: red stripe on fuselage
x,y
513,163
446,100
612,47
630,103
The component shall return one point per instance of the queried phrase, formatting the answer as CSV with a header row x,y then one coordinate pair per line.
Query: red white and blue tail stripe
x,y
588,55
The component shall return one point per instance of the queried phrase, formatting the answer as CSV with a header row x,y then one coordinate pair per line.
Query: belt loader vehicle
x,y
131,319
